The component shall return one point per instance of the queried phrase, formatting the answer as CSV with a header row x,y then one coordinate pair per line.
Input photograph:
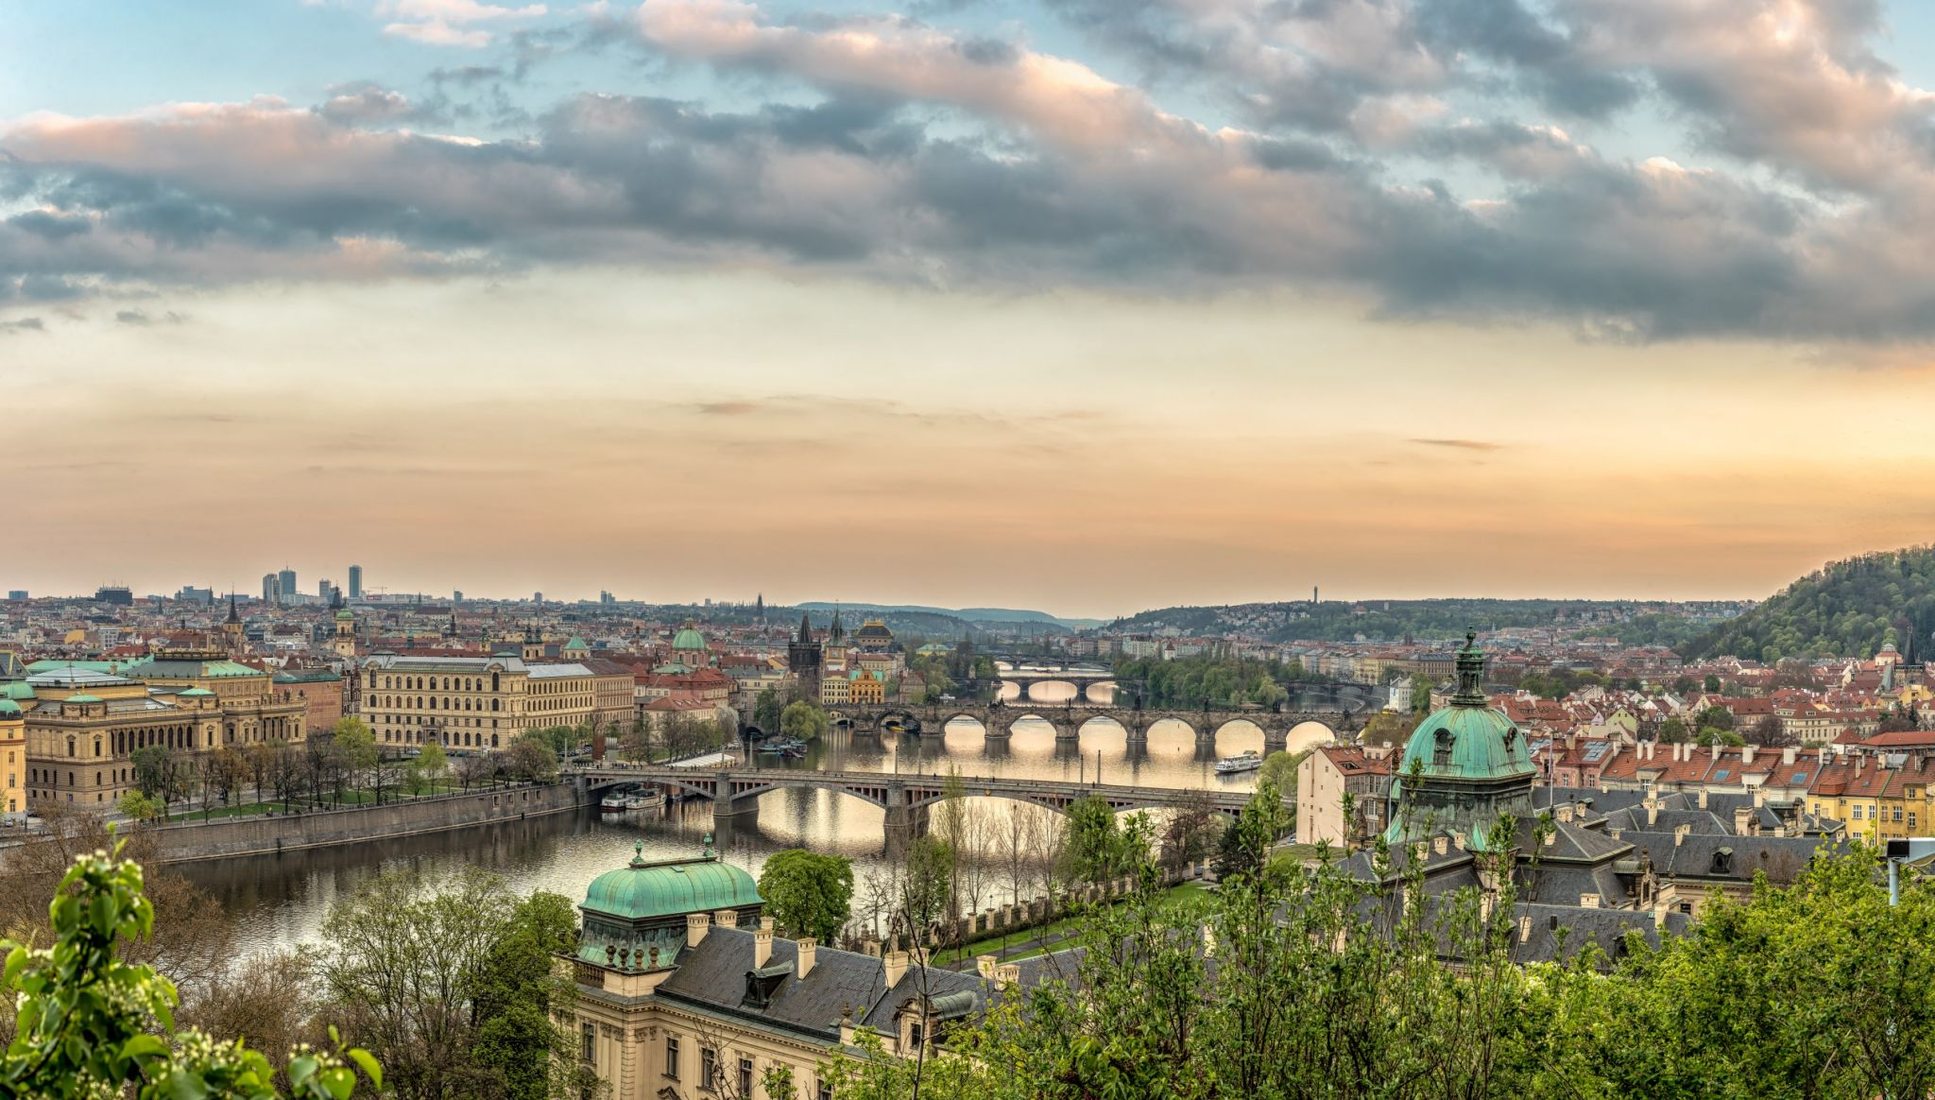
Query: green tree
x,y
160,773
531,758
1280,770
1719,718
1711,682
140,807
808,894
767,710
354,746
803,720
89,1024
1100,847
1673,731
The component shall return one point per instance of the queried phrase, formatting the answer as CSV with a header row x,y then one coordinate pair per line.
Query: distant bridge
x,y
1293,730
1078,679
906,798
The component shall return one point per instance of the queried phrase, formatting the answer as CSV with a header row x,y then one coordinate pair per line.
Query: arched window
x,y
493,685
494,704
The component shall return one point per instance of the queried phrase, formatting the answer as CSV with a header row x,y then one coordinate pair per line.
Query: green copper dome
x,y
16,689
1464,765
689,637
646,890
9,709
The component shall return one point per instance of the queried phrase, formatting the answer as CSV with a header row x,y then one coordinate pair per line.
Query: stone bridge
x,y
997,720
906,798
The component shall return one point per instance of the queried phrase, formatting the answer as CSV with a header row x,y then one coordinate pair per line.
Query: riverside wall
x,y
187,842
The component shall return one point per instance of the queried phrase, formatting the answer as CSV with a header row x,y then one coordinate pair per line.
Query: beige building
x,y
84,723
684,991
13,758
482,702
1323,779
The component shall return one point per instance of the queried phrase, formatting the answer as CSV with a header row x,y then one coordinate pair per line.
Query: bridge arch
x,y
1308,734
1241,733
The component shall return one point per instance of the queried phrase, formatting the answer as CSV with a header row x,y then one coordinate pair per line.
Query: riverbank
x,y
271,834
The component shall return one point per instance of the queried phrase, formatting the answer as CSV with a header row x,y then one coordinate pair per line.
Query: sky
x,y
1085,305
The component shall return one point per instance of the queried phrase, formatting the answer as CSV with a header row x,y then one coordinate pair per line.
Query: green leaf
x,y
143,1046
339,1081
366,1062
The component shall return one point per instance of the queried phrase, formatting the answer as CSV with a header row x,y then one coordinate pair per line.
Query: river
x,y
282,900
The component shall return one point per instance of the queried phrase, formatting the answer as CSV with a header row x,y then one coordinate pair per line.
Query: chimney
x,y
726,918
1787,756
1746,755
808,947
1588,901
1743,822
696,926
984,965
1007,975
896,962
1524,928
1660,910
1680,833
1440,845
762,947
1702,800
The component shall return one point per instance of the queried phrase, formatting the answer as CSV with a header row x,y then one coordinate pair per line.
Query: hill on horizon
x,y
1848,608
969,614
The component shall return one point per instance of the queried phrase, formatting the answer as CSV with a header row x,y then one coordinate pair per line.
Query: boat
x,y
615,802
644,800
1245,761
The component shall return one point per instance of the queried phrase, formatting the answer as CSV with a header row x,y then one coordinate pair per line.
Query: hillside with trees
x,y
1634,622
1846,609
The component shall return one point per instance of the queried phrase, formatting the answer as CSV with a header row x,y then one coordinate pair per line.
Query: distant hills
x,y
1847,608
965,614
1635,622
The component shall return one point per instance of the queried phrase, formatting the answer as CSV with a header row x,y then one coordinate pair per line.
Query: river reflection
x,y
279,900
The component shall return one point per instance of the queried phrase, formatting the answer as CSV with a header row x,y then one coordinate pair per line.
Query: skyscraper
x,y
288,579
355,582
271,588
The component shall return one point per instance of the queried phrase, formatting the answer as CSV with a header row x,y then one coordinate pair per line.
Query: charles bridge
x,y
907,798
1292,730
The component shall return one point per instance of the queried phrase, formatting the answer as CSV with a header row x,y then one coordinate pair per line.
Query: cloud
x,y
143,319
449,22
898,151
1459,444
24,324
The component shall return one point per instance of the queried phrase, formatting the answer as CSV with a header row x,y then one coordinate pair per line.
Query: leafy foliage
x,y
90,1024
1208,681
807,894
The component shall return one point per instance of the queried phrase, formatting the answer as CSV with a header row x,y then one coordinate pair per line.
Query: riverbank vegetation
x,y
1203,680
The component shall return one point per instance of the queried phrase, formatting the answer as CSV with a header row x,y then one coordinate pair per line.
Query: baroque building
x,y
685,990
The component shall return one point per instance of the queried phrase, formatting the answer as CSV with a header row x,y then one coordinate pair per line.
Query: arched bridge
x,y
906,798
1321,725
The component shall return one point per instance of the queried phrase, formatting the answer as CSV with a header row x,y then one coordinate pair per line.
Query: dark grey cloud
x,y
24,324
142,318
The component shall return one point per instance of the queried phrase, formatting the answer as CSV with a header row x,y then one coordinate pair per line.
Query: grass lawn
x,y
351,799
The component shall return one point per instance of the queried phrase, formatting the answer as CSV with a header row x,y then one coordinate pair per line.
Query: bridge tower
x,y
906,822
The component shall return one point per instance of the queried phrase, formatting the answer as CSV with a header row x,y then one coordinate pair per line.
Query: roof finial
x,y
708,846
1471,673
638,853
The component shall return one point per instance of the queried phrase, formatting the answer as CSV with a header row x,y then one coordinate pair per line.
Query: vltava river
x,y
283,899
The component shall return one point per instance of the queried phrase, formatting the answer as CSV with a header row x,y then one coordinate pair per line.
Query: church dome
x,y
646,890
689,638
9,709
1465,766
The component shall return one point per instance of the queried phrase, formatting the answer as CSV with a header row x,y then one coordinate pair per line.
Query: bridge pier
x,y
906,822
1137,727
1275,740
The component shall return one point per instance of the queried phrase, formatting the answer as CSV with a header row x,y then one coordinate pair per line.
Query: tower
x,y
355,582
232,627
1464,767
344,643
803,660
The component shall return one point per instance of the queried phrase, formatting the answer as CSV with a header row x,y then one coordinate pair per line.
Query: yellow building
x,y
474,702
13,757
84,723
864,686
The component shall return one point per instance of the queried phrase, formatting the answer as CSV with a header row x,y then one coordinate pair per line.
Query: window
x,y
824,1092
708,1068
745,1077
590,1042
1897,813
672,1057
914,1035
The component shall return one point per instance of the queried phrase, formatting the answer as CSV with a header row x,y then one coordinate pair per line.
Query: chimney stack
x,y
1743,822
984,965
1588,901
896,963
1787,755
1680,833
696,926
726,918
808,947
762,947
1746,755
1007,975
1524,928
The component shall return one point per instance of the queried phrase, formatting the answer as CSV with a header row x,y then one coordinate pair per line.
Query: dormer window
x,y
1443,742
1723,861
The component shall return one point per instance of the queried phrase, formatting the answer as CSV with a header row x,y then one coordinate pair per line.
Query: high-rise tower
x,y
355,582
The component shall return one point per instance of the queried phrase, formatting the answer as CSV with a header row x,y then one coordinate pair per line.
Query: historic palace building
x,y
85,719
685,991
469,703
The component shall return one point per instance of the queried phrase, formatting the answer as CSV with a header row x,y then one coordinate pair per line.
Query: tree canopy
x,y
807,894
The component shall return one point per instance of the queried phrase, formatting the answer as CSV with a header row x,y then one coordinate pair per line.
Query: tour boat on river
x,y
1245,761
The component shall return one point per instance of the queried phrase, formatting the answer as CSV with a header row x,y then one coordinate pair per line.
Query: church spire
x,y
806,628
232,616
